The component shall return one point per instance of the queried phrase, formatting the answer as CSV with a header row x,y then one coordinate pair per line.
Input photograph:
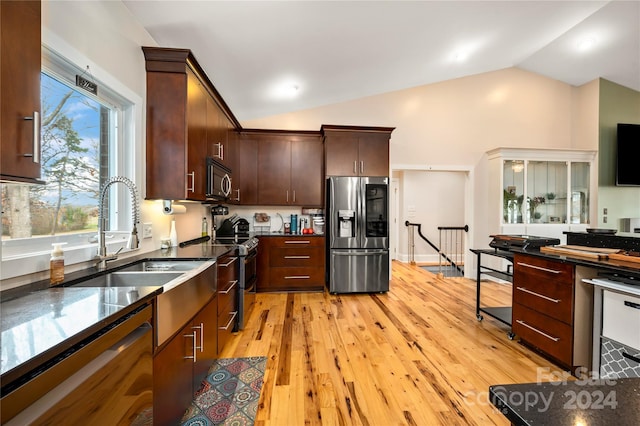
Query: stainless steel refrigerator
x,y
357,219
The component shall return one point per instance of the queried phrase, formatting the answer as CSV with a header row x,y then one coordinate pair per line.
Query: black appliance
x,y
218,180
524,242
628,140
233,227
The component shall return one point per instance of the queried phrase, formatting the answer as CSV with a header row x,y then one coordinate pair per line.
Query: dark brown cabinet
x,y
178,369
356,151
186,122
228,288
20,90
295,263
219,142
550,309
290,169
245,176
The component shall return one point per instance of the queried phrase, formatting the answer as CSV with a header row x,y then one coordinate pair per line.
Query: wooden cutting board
x,y
562,250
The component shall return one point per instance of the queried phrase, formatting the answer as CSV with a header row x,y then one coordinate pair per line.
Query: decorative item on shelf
x,y
533,205
261,222
550,196
510,205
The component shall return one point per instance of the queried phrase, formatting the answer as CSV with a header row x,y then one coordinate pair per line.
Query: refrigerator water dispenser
x,y
346,219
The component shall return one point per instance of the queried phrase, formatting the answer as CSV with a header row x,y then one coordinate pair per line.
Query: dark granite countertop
x,y
609,265
39,322
588,402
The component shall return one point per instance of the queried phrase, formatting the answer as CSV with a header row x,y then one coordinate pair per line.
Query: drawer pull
x,y
538,295
555,339
233,317
224,265
195,346
297,257
201,328
631,357
632,305
298,242
297,277
233,284
526,265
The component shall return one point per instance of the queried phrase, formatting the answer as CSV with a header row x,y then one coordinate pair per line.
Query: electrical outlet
x,y
605,210
147,230
604,219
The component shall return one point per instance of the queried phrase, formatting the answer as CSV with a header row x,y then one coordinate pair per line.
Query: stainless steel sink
x,y
130,279
163,265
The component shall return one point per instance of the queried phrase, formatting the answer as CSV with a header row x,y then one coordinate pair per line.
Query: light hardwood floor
x,y
413,356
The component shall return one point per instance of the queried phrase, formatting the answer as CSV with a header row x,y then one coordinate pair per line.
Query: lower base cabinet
x,y
180,366
295,263
552,309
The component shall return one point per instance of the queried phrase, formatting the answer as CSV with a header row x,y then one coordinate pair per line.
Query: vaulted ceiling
x,y
271,57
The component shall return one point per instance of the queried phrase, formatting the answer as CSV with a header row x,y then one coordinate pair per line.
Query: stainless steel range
x,y
248,253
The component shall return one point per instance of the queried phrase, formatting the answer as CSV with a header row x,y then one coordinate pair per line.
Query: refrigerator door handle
x,y
358,253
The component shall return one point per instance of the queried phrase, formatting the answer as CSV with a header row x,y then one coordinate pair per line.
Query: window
x,y
82,140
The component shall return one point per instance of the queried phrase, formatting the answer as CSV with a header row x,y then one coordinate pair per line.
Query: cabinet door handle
x,y
355,167
361,167
538,295
201,328
192,188
194,357
233,284
297,277
298,242
297,257
526,265
238,196
233,317
555,339
632,304
35,156
225,265
220,154
294,195
287,195
631,357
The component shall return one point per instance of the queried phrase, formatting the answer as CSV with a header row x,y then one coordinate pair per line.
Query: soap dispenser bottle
x,y
56,264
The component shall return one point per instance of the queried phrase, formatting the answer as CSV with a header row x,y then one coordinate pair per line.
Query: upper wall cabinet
x,y
540,192
356,151
20,90
289,168
187,121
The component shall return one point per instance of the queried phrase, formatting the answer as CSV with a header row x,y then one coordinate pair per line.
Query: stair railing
x,y
453,239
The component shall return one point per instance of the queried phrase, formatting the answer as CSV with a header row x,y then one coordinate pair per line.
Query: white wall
x,y
451,124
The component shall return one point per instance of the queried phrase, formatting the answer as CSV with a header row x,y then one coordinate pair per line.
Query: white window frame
x,y
123,153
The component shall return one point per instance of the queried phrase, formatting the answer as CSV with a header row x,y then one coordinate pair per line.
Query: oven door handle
x,y
252,255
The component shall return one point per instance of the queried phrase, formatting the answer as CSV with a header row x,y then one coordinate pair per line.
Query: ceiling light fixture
x,y
517,166
586,44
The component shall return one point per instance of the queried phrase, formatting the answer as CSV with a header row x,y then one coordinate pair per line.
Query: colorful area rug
x,y
229,394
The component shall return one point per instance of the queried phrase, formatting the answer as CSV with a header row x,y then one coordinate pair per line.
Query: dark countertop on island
x,y
571,403
39,323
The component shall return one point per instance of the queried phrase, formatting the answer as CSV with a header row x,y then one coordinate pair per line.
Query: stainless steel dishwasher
x,y
107,381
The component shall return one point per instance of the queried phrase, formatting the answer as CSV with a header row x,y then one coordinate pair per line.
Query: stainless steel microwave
x,y
218,180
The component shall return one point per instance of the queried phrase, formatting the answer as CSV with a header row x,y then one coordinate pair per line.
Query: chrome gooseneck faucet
x,y
102,256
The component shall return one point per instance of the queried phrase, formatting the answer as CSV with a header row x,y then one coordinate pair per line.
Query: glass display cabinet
x,y
541,186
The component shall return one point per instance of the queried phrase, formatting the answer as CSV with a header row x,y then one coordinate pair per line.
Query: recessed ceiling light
x,y
460,56
586,43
